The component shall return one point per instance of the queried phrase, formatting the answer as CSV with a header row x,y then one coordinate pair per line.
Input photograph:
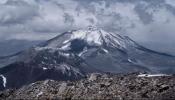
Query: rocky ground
x,y
99,86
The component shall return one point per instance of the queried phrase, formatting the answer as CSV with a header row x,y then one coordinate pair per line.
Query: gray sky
x,y
149,22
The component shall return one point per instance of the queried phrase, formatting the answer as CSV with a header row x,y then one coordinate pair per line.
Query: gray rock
x,y
62,87
98,86
94,76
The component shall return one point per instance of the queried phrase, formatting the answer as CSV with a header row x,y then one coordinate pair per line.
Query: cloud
x,y
146,21
171,2
16,12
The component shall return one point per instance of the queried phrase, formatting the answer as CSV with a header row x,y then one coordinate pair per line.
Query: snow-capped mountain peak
x,y
80,41
95,37
74,54
92,36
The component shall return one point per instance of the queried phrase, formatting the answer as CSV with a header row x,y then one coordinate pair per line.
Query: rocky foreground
x,y
99,86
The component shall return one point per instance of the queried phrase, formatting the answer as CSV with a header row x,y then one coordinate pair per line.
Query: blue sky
x,y
150,22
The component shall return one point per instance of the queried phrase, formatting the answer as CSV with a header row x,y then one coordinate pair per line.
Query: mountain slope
x,y
76,53
8,47
99,86
100,49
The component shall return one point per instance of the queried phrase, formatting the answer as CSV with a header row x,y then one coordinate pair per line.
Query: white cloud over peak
x,y
147,21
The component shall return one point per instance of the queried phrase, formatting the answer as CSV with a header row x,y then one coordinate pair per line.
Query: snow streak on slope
x,y
152,75
4,80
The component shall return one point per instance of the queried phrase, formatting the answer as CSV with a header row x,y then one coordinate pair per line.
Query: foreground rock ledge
x,y
99,86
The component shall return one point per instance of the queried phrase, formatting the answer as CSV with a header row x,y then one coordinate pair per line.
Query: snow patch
x,y
81,53
91,36
65,41
4,80
46,48
41,48
44,68
152,75
129,60
67,54
106,51
64,54
65,47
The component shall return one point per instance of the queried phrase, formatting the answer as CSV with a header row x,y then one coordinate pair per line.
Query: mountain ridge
x,y
73,54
